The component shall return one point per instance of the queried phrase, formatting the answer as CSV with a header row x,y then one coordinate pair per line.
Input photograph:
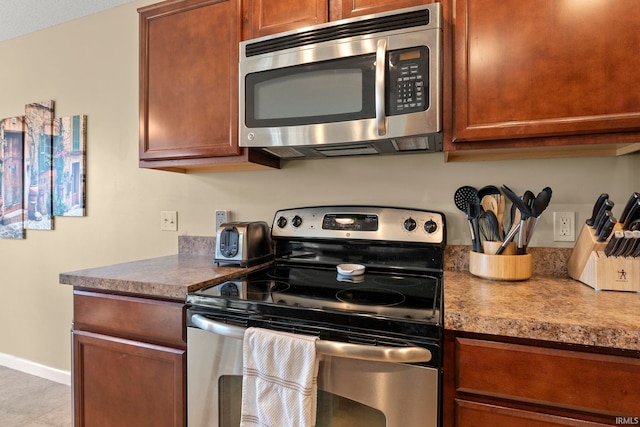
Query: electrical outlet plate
x,y
564,226
221,217
169,221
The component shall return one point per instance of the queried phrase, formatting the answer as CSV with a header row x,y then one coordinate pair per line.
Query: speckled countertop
x,y
549,306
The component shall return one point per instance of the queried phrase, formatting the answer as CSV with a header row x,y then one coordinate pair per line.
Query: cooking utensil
x,y
596,208
466,199
525,213
492,191
540,204
489,226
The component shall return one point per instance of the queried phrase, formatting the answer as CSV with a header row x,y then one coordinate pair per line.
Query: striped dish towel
x,y
280,379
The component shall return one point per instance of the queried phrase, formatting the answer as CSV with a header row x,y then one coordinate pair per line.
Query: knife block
x,y
586,244
591,266
613,274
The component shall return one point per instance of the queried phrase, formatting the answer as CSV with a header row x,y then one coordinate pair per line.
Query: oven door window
x,y
333,410
321,92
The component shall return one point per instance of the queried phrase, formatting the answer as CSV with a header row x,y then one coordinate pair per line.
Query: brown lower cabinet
x,y
129,361
491,382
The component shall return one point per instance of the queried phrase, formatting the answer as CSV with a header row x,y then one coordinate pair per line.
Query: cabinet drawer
x,y
152,321
598,383
484,415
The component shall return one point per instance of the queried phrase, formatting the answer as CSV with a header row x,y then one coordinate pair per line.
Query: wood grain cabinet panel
x,y
127,383
341,9
500,382
189,88
129,361
475,414
575,380
155,321
545,68
266,17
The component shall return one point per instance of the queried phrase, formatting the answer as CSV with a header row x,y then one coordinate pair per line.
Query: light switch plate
x,y
168,220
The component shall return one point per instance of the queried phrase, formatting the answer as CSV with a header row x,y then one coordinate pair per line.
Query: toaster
x,y
243,243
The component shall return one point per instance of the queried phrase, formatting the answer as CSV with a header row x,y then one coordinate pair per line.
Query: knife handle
x,y
602,215
596,208
607,228
634,213
626,241
614,242
633,245
630,203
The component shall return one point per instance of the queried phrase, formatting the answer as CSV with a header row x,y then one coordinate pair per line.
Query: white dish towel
x,y
280,379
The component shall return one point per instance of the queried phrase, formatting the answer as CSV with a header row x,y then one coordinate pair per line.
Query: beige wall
x,y
90,66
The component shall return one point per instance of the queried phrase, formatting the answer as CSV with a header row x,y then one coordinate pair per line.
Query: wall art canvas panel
x,y
37,166
11,193
69,163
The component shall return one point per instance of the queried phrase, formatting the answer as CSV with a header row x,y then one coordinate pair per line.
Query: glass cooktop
x,y
385,294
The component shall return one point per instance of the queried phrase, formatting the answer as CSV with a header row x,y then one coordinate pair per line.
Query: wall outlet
x,y
168,220
564,226
221,217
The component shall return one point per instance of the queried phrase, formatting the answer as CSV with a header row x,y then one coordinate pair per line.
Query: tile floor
x,y
30,401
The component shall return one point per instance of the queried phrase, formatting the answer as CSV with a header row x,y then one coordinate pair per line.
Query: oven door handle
x,y
330,348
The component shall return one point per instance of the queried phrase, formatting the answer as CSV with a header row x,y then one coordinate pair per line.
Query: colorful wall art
x,y
37,165
11,158
42,169
69,134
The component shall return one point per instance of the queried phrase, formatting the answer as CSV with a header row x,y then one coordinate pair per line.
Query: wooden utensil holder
x,y
591,266
500,267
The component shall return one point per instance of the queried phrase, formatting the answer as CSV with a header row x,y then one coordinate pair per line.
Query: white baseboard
x,y
33,368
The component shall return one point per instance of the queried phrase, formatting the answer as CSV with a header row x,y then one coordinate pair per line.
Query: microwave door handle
x,y
381,66
330,348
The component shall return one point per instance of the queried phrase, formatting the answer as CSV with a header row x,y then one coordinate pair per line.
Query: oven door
x,y
364,387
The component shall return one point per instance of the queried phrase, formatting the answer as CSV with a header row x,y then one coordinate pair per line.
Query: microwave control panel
x,y
408,80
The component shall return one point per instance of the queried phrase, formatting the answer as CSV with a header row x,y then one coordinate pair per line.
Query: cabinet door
x,y
544,68
341,9
265,17
188,79
484,415
127,383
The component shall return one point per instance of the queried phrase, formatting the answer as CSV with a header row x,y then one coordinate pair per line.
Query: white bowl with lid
x,y
350,269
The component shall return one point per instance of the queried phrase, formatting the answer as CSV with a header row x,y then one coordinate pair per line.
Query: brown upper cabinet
x,y
542,73
189,87
266,17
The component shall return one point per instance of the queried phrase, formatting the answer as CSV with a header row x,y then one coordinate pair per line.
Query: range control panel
x,y
360,222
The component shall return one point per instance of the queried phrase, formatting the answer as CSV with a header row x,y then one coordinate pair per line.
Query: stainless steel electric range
x,y
367,281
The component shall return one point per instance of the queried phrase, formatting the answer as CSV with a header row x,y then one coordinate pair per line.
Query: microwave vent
x,y
411,143
339,31
284,152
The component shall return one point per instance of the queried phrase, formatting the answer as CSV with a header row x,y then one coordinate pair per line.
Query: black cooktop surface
x,y
384,294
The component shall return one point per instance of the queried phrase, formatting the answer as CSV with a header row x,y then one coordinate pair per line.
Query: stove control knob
x,y
409,224
282,222
296,221
430,226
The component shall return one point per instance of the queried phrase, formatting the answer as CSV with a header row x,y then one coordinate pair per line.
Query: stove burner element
x,y
393,281
370,296
261,290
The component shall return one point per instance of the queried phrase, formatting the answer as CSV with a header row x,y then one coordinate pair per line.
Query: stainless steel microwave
x,y
367,85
